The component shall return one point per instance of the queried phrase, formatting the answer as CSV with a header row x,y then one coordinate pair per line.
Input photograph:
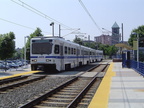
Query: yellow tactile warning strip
x,y
100,99
15,75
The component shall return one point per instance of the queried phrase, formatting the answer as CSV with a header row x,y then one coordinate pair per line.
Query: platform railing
x,y
137,66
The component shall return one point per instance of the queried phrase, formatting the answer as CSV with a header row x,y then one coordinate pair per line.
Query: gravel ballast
x,y
15,97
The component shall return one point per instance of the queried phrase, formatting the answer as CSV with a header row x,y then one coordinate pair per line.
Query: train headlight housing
x,y
48,60
34,60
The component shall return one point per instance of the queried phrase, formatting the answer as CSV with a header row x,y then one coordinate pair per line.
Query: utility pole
x,y
122,32
89,40
59,30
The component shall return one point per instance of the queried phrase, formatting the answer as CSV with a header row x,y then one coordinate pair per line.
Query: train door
x,y
90,56
77,56
83,56
61,57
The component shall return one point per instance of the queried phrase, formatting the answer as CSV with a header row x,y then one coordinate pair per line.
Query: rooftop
x,y
115,25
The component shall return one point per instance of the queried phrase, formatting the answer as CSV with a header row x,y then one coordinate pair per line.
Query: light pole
x,y
52,24
25,48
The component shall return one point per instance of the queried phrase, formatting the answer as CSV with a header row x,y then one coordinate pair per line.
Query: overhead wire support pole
x,y
122,32
59,30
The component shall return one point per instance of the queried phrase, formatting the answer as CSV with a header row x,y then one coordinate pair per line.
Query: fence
x,y
137,66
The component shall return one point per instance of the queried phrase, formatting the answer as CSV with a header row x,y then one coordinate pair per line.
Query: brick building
x,y
107,39
104,39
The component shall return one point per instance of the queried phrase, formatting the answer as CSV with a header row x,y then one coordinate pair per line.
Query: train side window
x,y
65,50
74,51
71,50
85,53
56,49
68,50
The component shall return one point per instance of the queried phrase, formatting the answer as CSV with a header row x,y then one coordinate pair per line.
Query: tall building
x,y
104,39
110,40
115,34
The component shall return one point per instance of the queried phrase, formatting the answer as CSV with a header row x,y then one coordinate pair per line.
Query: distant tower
x,y
115,34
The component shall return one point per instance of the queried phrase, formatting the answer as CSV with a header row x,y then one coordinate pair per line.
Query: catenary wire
x,y
19,24
39,13
84,7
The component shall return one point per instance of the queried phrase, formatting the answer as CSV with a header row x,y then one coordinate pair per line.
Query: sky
x,y
19,18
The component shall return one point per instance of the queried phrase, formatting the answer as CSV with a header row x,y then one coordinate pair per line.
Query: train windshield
x,y
41,46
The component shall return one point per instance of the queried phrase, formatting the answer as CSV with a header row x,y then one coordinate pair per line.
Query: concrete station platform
x,y
120,88
25,70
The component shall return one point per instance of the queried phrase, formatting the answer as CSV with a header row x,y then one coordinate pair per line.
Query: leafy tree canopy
x,y
85,43
140,31
7,45
108,50
78,41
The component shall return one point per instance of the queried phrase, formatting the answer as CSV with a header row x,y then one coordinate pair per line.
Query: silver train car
x,y
58,54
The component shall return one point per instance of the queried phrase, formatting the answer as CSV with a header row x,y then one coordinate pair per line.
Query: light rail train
x,y
55,53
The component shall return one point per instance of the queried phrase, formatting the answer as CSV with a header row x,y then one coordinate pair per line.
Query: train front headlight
x,y
34,60
48,60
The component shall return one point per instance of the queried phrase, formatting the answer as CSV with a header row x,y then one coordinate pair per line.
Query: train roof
x,y
54,38
61,39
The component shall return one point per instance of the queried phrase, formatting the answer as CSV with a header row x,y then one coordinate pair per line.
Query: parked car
x,y
12,65
4,66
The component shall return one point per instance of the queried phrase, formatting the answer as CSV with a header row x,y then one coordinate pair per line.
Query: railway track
x,y
71,94
11,83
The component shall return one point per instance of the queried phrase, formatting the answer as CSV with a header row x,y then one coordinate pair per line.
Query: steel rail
x,y
93,68
4,81
78,98
21,83
43,97
104,67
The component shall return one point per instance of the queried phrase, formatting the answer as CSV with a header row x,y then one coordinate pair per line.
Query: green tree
x,y
91,45
7,45
104,48
78,41
140,31
112,50
85,43
108,50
